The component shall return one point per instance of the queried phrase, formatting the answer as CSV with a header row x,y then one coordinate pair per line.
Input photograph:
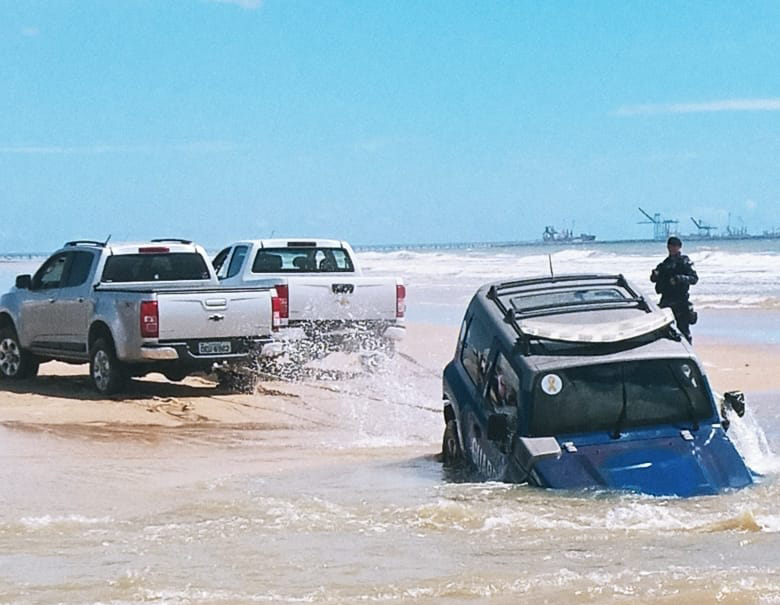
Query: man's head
x,y
674,245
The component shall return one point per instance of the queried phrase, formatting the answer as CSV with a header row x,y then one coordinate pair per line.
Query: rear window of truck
x,y
169,266
302,260
618,396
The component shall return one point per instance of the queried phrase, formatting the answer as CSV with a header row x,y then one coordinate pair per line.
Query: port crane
x,y
662,228
705,230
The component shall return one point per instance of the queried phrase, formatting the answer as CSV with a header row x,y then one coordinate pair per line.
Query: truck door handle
x,y
52,300
342,288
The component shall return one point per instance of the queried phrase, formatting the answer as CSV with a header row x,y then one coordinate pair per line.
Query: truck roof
x,y
295,242
159,245
562,319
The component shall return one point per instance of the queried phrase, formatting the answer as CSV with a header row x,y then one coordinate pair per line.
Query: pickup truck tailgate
x,y
342,298
216,314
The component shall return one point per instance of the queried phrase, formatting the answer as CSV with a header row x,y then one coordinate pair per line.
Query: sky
x,y
400,121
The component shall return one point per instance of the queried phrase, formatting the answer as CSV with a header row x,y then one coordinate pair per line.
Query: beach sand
x,y
63,394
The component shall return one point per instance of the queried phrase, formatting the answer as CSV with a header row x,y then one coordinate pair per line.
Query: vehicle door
x,y
73,302
230,264
38,321
501,402
477,358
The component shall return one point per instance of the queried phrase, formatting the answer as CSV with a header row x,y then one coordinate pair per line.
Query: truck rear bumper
x,y
187,352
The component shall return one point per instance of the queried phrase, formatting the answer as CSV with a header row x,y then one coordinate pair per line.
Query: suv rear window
x,y
569,298
168,266
618,396
302,260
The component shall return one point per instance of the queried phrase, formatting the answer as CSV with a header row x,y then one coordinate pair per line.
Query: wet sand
x,y
63,394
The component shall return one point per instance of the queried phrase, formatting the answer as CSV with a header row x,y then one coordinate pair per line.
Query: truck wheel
x,y
451,454
238,380
108,373
15,362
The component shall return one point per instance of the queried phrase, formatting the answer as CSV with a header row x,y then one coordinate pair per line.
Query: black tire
x,y
238,380
108,374
451,452
15,362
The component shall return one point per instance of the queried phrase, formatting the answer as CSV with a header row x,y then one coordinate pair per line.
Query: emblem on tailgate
x,y
216,317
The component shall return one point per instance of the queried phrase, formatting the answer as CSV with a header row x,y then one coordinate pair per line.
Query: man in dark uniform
x,y
672,279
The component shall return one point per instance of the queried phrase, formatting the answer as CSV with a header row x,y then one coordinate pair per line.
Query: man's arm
x,y
687,274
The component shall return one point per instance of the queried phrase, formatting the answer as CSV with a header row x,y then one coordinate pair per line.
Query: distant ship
x,y
565,236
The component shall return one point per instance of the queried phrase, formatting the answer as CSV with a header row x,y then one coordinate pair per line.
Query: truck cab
x,y
580,382
327,303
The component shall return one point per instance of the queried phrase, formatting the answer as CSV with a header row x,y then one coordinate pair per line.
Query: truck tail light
x,y
400,300
283,292
276,316
150,319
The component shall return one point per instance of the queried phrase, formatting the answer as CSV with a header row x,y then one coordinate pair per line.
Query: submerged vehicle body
x,y
579,382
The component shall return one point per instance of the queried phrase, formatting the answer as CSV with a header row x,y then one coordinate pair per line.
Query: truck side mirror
x,y
23,282
497,427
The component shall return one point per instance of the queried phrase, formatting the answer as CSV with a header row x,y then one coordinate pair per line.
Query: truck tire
x,y
238,379
15,362
451,453
107,372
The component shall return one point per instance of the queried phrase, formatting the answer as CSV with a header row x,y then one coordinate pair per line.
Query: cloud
x,y
245,4
98,148
703,107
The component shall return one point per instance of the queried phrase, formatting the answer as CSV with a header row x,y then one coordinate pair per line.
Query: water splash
x,y
751,442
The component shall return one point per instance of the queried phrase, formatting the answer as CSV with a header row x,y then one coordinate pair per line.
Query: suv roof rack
x,y
527,326
179,240
85,242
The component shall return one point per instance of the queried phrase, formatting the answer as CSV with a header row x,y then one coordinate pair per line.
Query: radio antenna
x,y
552,273
107,239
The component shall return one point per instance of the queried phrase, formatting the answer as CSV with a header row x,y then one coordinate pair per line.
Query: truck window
x,y
78,269
50,274
219,260
476,351
168,266
237,260
618,396
302,260
504,384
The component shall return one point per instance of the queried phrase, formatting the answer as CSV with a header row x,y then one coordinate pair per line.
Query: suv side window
x,y
78,269
237,260
50,273
476,351
504,384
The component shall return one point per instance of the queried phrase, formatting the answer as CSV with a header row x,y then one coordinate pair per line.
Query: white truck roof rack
x,y
528,304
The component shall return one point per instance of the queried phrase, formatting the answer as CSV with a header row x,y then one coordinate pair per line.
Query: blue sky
x,y
378,122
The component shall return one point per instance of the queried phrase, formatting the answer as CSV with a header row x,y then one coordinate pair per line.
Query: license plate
x,y
213,348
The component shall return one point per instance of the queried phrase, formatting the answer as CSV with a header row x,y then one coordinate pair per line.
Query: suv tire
x,y
107,372
15,362
451,453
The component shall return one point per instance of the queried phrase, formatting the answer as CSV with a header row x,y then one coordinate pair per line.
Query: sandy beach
x,y
62,393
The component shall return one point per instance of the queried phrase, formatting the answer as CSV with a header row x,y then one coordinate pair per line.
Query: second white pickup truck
x,y
325,298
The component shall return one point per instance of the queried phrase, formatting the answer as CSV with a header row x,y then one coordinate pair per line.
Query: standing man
x,y
672,279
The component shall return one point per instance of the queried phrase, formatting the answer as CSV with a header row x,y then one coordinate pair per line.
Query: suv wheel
x,y
15,362
107,372
451,453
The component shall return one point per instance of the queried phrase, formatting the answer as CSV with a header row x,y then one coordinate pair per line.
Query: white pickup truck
x,y
326,301
131,309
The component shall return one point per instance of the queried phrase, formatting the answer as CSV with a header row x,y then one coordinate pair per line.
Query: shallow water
x,y
180,516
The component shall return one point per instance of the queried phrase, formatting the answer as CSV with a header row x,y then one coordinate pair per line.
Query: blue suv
x,y
580,382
